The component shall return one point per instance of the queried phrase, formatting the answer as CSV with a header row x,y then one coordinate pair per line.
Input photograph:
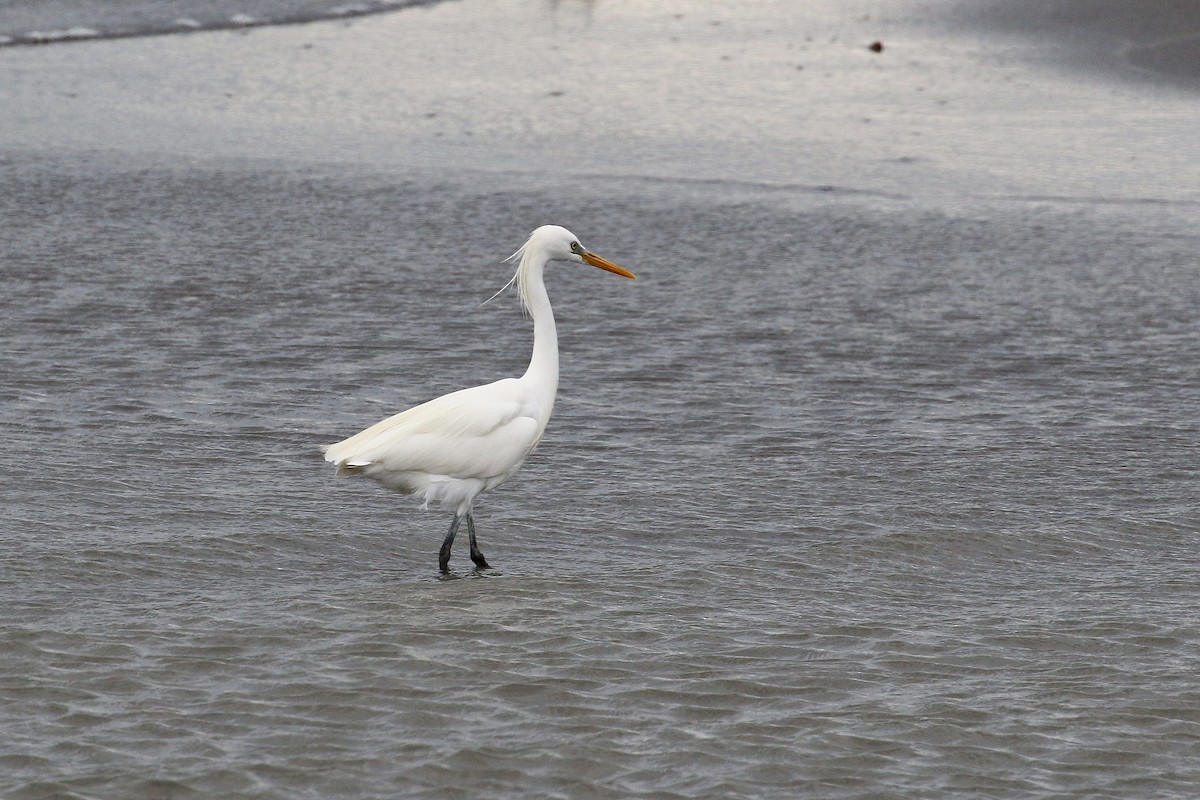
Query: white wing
x,y
482,433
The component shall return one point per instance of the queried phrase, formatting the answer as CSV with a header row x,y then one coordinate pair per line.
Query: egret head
x,y
556,243
550,243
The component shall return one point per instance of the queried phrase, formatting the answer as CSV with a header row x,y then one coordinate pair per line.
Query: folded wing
x,y
477,434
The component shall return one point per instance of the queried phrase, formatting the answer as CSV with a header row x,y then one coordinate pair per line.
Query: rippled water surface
x,y
39,22
845,497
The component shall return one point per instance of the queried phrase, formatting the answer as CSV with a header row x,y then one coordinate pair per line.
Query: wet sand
x,y
769,94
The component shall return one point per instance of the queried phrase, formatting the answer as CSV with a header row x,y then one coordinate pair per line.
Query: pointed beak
x,y
605,264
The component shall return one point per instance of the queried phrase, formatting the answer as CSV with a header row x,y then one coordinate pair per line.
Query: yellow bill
x,y
605,264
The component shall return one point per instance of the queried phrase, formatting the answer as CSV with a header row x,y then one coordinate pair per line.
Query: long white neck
x,y
542,373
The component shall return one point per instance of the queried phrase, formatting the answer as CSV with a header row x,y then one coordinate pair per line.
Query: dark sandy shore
x,y
1161,38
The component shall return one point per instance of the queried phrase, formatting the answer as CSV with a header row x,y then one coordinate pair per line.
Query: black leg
x,y
476,553
444,553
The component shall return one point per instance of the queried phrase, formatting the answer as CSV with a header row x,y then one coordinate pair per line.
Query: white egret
x,y
450,449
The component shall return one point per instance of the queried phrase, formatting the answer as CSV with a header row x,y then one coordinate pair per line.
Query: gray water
x,y
41,22
845,497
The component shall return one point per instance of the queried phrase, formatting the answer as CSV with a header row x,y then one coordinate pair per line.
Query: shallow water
x,y
847,496
41,22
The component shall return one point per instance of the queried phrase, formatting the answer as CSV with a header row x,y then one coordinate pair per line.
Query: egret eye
x,y
575,247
